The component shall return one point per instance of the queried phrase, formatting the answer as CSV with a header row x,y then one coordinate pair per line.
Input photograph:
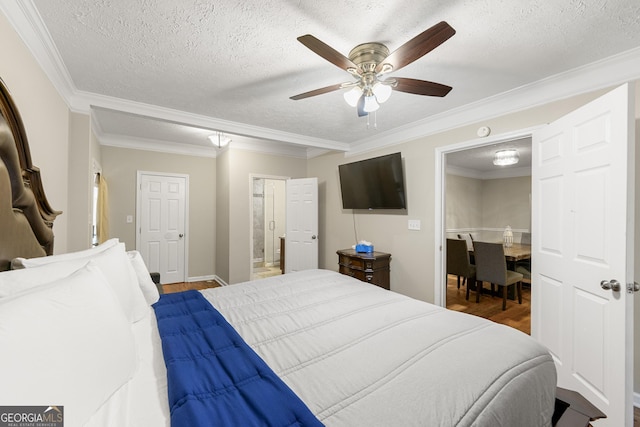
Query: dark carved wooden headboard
x,y
26,218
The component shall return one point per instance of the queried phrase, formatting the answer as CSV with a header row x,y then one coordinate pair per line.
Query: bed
x,y
87,335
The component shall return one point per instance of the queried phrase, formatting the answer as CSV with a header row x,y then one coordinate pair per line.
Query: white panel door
x,y
301,241
162,224
582,188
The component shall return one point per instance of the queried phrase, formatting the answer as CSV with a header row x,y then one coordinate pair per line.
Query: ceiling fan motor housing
x,y
368,55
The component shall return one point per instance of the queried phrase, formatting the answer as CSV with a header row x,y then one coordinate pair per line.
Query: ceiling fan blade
x,y
317,92
418,46
421,87
327,52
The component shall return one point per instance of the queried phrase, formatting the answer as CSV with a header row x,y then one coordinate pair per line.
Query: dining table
x,y
514,253
517,252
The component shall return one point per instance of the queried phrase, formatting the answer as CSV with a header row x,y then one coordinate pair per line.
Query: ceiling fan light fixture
x,y
382,92
370,104
506,157
219,139
353,95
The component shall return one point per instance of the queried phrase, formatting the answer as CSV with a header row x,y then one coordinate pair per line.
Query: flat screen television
x,y
376,183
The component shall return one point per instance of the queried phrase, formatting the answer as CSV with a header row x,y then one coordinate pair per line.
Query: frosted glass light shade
x,y
370,104
382,92
353,95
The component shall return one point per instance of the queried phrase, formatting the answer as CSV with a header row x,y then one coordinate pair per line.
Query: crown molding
x,y
25,19
617,69
494,174
611,71
144,144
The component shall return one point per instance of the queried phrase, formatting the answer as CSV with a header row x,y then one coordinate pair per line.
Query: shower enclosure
x,y
268,223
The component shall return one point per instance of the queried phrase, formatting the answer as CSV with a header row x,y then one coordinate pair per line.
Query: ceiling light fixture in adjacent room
x,y
219,140
506,157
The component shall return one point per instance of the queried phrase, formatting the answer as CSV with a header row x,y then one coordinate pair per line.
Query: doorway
x,y
162,212
480,199
268,201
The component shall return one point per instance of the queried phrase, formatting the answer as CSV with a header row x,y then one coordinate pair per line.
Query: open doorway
x,y
268,201
480,200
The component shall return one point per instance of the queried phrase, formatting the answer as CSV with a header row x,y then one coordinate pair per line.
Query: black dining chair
x,y
458,263
491,266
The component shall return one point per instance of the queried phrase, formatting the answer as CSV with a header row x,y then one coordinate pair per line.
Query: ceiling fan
x,y
369,62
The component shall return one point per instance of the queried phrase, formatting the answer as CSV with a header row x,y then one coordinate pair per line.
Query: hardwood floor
x,y
179,287
516,315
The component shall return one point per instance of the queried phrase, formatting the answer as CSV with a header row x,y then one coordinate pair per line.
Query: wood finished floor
x,y
516,315
179,287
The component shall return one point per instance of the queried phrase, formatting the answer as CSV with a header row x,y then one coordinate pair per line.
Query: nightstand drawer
x,y
368,267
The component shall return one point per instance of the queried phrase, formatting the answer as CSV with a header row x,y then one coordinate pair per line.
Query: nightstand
x,y
370,267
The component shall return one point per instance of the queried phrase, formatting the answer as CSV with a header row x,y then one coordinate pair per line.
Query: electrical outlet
x,y
414,224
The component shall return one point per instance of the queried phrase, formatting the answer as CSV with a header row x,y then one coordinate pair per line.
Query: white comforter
x,y
359,355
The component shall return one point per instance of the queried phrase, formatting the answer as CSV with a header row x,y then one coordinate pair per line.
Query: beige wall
x,y
241,165
120,167
506,202
464,202
222,215
46,119
80,182
486,206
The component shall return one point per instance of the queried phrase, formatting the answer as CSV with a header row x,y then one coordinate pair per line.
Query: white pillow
x,y
18,263
117,269
148,288
15,281
67,343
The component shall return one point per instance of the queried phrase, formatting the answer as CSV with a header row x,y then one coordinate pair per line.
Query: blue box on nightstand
x,y
360,248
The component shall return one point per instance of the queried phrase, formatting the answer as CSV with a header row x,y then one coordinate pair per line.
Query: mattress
x,y
359,355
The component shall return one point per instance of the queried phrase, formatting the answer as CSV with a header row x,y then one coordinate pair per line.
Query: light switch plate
x,y
414,224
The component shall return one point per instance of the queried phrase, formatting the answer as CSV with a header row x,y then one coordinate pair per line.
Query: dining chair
x,y
468,237
491,266
458,262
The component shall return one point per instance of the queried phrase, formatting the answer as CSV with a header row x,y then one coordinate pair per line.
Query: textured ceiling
x,y
237,62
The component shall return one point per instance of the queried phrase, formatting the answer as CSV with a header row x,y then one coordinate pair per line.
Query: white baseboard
x,y
222,282
207,278
201,278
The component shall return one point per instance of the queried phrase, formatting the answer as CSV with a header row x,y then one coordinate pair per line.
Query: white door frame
x,y
186,212
440,271
253,176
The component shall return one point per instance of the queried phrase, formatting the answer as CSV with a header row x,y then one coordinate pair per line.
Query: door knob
x,y
181,235
633,287
313,237
614,285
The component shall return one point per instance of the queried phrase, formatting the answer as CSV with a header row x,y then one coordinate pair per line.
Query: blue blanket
x,y
214,377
